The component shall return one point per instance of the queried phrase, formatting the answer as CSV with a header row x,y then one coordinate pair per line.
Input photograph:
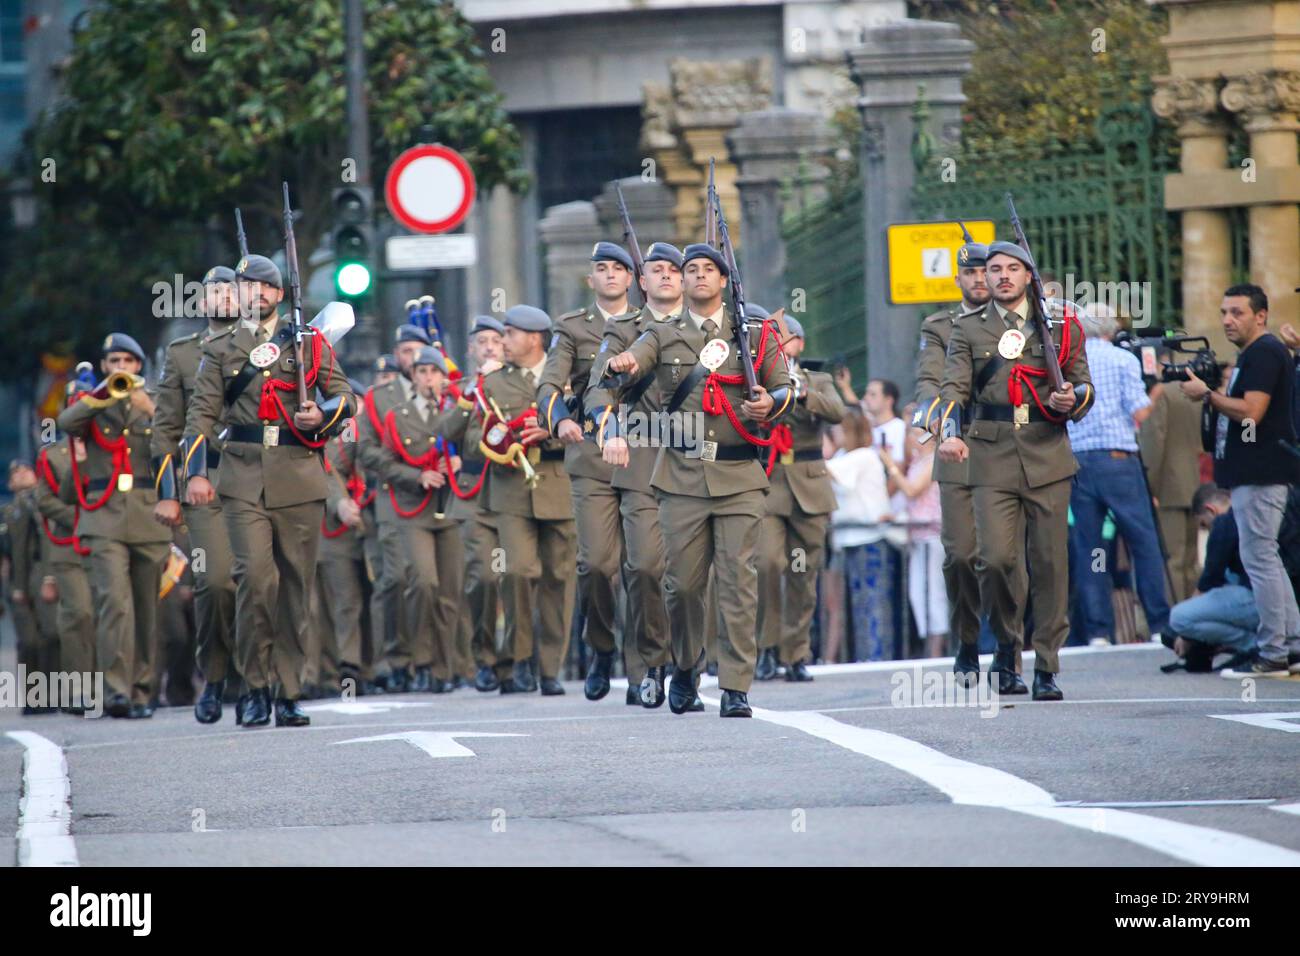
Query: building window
x,y
578,151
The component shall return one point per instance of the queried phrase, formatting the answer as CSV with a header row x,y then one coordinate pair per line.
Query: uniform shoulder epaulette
x,y
192,337
575,314
220,333
626,316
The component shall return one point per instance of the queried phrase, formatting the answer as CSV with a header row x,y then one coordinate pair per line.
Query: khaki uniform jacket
x,y
807,482
59,514
1170,440
669,350
472,462
281,475
342,459
127,516
620,332
21,523
403,481
370,447
505,488
936,331
1000,452
575,345
180,373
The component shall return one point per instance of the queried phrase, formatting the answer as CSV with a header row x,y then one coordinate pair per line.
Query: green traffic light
x,y
353,278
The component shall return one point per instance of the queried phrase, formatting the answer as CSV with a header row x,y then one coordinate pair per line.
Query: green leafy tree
x,y
175,111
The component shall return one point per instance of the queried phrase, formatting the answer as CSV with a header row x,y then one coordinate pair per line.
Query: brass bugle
x,y
122,384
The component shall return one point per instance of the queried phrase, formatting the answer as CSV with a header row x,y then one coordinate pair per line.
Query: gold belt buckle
x,y
534,455
787,457
125,482
709,451
1022,414
270,436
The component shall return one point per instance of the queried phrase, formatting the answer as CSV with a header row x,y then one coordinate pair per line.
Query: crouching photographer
x,y
1250,437
1222,617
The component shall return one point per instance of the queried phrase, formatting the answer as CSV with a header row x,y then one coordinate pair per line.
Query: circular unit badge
x,y
264,355
1012,344
714,354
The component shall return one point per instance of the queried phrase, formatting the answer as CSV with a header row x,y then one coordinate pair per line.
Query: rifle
x,y
966,237
629,240
1042,319
740,322
710,217
295,295
239,234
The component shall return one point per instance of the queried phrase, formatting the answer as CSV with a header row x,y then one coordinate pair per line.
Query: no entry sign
x,y
429,189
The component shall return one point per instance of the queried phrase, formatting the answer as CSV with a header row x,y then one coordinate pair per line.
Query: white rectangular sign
x,y
431,252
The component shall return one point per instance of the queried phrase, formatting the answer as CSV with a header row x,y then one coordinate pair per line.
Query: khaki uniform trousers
x,y
538,578
124,579
791,553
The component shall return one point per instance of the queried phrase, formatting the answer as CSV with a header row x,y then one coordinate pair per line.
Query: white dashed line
x,y
45,811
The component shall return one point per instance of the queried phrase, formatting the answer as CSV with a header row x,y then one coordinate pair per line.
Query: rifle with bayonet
x,y
740,321
1042,318
629,240
295,296
710,215
239,234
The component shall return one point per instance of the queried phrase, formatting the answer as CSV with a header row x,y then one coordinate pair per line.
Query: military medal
x,y
714,353
264,355
1012,344
125,482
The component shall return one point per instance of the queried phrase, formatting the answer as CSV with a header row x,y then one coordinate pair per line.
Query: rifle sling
x,y
686,386
235,387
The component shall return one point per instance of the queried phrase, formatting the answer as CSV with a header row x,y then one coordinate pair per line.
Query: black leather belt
x,y
719,452
214,457
1006,413
808,454
552,454
471,468
99,484
257,435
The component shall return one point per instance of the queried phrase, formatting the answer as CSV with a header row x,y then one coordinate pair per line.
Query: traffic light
x,y
353,240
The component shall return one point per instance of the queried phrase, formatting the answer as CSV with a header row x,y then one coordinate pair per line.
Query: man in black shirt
x,y
1252,421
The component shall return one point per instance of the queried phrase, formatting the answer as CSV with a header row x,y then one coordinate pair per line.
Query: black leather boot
x,y
597,685
207,710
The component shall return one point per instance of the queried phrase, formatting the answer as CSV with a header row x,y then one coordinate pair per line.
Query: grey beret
x,y
753,311
411,333
702,250
386,363
486,323
430,356
1012,249
665,252
528,318
795,327
219,274
610,252
254,268
121,342
972,254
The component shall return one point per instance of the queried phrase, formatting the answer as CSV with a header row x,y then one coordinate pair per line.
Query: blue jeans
x,y
1224,617
1112,484
1258,511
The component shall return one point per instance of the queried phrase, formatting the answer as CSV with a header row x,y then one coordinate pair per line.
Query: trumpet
x,y
114,388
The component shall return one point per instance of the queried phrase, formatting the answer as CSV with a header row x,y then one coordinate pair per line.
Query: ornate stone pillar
x,y
1193,104
569,230
892,62
1268,101
650,204
772,147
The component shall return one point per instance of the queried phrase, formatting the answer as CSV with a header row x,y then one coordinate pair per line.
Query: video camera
x,y
1159,357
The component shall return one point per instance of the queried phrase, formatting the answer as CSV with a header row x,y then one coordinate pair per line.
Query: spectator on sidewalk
x,y
1110,479
1252,423
1171,448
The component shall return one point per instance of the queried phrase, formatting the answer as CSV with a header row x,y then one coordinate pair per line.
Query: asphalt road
x,y
1135,768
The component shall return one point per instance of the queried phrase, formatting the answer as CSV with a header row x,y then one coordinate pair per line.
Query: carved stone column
x,y
569,230
1193,104
1268,101
650,204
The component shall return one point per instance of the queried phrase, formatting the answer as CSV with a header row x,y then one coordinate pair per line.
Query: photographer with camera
x,y
1251,429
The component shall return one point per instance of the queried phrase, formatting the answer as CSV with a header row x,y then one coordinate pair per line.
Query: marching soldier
x,y
394,566
115,491
271,480
416,472
214,588
528,492
647,641
1019,455
798,511
480,543
68,561
341,570
30,582
710,486
957,519
573,349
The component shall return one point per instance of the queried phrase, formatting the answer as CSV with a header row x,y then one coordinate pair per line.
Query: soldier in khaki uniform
x,y
535,524
394,569
574,346
214,588
1019,455
343,584
416,472
647,641
1170,440
271,480
30,581
486,587
957,518
69,563
710,485
115,491
792,534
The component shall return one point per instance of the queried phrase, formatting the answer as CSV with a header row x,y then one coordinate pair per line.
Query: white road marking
x,y
976,785
45,811
1292,808
1017,700
434,744
355,708
1279,721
